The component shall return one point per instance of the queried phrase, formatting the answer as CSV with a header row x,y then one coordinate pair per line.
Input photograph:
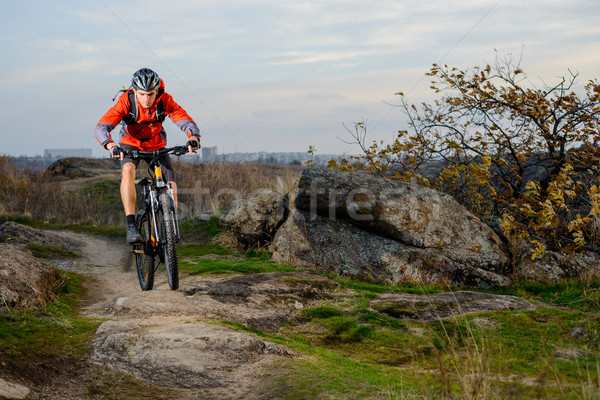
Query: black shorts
x,y
164,160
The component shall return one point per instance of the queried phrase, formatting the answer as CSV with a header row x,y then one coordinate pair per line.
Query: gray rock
x,y
579,333
340,247
25,282
555,267
263,301
11,390
205,216
568,354
12,232
254,220
432,307
409,213
179,355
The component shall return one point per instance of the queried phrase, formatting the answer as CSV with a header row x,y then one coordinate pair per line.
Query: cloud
x,y
299,57
49,74
276,69
274,114
65,45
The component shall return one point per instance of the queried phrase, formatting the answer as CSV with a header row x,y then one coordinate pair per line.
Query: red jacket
x,y
147,136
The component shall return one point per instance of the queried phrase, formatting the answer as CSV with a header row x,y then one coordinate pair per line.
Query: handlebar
x,y
176,150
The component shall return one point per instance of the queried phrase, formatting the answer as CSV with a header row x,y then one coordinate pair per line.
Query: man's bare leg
x,y
128,195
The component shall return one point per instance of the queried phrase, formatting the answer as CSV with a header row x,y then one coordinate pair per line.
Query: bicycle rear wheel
x,y
166,217
144,263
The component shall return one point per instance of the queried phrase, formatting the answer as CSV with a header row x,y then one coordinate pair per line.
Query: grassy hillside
x,y
347,350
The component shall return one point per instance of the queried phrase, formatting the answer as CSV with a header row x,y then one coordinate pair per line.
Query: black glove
x,y
115,151
194,143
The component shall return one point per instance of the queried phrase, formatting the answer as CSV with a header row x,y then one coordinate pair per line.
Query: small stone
x,y
579,333
12,390
568,354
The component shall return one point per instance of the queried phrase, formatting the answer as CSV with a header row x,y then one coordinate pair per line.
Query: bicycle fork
x,y
154,234
175,221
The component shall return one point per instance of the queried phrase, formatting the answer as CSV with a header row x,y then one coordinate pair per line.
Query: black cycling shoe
x,y
133,236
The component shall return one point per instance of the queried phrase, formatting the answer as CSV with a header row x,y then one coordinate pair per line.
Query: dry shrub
x,y
214,186
26,191
32,193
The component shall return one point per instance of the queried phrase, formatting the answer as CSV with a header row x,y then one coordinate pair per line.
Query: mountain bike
x,y
156,221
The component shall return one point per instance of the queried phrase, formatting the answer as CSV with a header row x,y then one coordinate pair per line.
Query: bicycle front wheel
x,y
144,263
166,217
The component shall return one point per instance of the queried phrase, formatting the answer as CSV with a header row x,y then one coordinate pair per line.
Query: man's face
x,y
146,99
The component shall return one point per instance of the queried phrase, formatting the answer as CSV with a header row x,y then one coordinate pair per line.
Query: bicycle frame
x,y
158,222
151,188
157,181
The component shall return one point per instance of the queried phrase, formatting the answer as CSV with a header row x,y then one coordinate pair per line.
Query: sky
x,y
267,75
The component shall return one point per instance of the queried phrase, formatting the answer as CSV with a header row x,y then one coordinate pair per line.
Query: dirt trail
x,y
169,339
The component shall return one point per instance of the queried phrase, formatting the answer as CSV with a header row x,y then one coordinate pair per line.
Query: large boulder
x,y
254,220
408,213
340,247
25,282
373,229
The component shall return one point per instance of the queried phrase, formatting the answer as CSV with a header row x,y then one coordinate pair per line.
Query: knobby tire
x,y
166,216
144,263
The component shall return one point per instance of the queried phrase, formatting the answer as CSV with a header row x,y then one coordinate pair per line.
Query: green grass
x,y
329,373
578,294
48,252
356,356
210,228
210,258
108,192
370,289
195,251
52,331
512,357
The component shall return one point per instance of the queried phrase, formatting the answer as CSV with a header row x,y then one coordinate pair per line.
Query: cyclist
x,y
142,129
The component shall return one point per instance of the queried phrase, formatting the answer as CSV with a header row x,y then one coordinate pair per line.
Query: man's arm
x,y
102,133
181,118
110,120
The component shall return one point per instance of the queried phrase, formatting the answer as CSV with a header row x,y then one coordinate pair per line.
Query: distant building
x,y
209,151
297,158
64,153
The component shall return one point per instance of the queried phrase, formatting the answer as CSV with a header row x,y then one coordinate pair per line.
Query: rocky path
x,y
172,339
